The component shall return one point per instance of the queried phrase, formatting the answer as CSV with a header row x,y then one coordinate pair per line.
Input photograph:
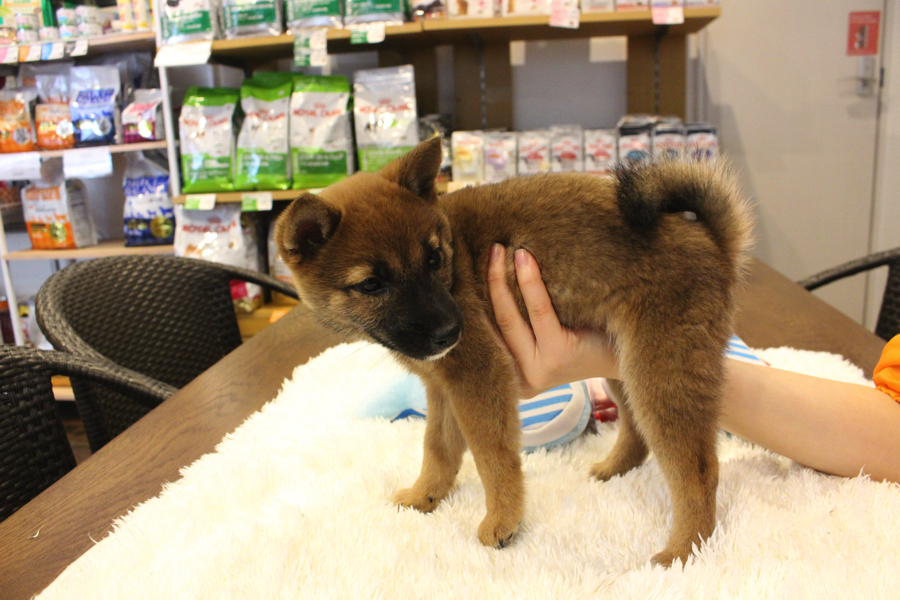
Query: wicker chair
x,y
888,324
34,450
165,317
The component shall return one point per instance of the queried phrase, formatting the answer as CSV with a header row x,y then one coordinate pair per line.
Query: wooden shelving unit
x,y
106,248
117,148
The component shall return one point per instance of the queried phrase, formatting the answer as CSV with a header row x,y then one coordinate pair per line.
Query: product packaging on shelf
x,y
468,155
277,267
206,131
624,5
262,146
94,105
149,214
634,137
321,139
53,119
371,11
384,111
566,149
589,6
188,21
126,15
313,13
667,138
701,141
600,151
90,21
56,214
515,8
142,120
250,18
421,10
472,8
430,126
534,152
221,235
499,156
16,125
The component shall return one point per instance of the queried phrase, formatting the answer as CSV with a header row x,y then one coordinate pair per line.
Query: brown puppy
x,y
380,257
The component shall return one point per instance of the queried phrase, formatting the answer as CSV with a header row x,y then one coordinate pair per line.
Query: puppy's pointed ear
x,y
418,169
304,228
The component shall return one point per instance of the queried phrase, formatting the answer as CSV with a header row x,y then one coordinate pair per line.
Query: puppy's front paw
x,y
496,531
669,556
414,498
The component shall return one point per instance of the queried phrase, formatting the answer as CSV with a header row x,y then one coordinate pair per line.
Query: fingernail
x,y
521,258
495,252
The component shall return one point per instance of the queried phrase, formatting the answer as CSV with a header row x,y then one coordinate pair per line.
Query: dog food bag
x,y
250,18
94,105
566,149
206,132
371,11
534,152
313,13
52,117
56,214
634,138
149,213
16,125
321,140
600,151
701,141
218,235
262,146
468,155
142,119
188,21
384,114
667,138
499,156
513,8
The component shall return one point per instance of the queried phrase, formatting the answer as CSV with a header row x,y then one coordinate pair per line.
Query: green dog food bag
x,y
206,131
384,114
262,146
188,21
321,140
391,12
313,13
250,18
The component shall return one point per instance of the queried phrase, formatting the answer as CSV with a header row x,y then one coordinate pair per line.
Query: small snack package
x,y
142,119
634,137
514,8
534,152
384,111
499,156
468,155
94,105
589,6
250,18
313,13
624,5
221,235
16,123
472,8
566,149
701,141
52,116
667,138
358,12
188,21
206,131
321,139
149,213
56,214
262,145
600,151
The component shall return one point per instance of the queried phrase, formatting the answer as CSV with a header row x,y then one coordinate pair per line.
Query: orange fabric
x,y
887,371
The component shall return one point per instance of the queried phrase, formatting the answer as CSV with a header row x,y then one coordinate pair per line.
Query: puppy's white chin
x,y
441,355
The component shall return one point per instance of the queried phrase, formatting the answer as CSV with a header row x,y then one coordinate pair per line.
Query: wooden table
x,y
40,540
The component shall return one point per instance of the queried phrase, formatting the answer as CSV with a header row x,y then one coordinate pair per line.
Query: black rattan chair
x,y
165,317
34,450
888,324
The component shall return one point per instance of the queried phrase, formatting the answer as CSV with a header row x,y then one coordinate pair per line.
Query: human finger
x,y
541,313
513,327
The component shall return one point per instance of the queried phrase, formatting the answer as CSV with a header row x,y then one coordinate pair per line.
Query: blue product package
x,y
149,212
94,105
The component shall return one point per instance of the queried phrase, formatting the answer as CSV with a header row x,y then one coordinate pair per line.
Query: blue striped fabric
x,y
738,350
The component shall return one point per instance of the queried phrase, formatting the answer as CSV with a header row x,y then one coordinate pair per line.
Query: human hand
x,y
547,353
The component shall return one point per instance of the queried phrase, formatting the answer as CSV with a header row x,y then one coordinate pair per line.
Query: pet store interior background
x,y
820,162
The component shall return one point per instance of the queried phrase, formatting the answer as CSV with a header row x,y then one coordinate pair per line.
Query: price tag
x,y
20,165
664,13
310,47
87,163
564,13
256,201
54,51
179,55
77,48
200,201
30,53
9,55
367,33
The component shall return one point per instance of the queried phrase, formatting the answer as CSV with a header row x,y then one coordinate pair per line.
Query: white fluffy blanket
x,y
295,504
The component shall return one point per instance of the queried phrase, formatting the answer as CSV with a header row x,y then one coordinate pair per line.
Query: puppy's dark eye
x,y
370,286
435,259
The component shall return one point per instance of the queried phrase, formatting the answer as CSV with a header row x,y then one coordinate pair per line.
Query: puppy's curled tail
x,y
646,190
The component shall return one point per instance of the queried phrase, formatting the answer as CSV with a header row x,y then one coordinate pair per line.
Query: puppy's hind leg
x,y
629,450
442,457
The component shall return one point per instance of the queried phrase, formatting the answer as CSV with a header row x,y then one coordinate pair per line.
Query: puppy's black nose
x,y
446,336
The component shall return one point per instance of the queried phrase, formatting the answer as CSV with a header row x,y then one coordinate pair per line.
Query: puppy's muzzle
x,y
446,337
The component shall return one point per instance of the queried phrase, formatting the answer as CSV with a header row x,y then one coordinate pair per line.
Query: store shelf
x,y
228,197
108,248
122,42
158,145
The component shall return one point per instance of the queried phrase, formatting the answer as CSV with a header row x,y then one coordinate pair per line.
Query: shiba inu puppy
x,y
651,256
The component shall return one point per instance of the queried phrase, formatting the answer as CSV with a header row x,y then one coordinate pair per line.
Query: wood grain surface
x,y
40,540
